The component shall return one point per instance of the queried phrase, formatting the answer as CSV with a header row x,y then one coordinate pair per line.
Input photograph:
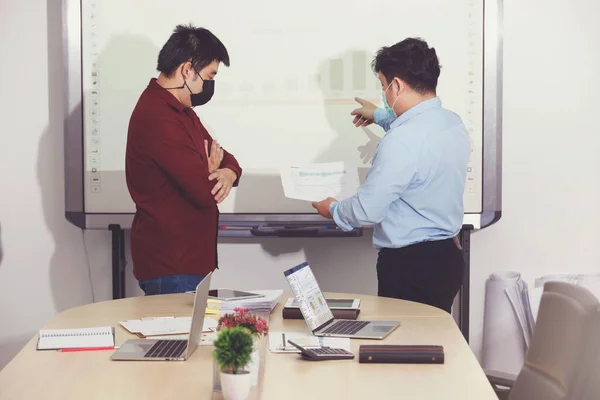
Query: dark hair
x,y
196,45
411,60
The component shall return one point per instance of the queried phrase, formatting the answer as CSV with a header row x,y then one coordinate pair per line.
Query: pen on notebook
x,y
87,349
284,346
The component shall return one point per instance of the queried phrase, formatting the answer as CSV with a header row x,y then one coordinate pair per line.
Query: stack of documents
x,y
160,326
212,307
259,304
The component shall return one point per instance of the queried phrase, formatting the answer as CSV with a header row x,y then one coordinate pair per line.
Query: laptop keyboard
x,y
346,327
167,349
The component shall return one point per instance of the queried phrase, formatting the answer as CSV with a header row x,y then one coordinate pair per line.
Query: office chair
x,y
563,359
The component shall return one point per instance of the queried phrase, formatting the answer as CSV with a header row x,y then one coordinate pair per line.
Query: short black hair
x,y
196,45
411,60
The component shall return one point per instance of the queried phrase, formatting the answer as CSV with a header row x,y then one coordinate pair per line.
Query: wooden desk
x,y
53,375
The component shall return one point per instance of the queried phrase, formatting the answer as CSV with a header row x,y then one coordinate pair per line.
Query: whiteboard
x,y
285,99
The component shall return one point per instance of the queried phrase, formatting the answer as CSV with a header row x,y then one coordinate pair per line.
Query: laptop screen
x,y
310,299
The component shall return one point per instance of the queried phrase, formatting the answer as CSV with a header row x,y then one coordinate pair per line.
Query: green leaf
x,y
233,349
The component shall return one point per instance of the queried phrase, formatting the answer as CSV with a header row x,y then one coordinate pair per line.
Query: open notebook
x,y
56,339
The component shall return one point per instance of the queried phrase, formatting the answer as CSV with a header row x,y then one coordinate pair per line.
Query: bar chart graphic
x,y
349,76
336,80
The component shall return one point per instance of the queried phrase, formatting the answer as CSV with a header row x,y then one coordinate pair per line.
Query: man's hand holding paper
x,y
322,207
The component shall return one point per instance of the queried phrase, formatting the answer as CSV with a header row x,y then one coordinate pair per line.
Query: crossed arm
x,y
195,173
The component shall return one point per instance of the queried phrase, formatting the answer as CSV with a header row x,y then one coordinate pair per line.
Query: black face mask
x,y
208,89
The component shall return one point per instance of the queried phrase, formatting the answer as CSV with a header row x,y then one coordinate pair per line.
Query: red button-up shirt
x,y
176,221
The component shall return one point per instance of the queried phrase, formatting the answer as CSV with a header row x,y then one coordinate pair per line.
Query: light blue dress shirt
x,y
414,189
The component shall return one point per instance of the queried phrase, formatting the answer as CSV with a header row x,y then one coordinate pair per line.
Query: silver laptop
x,y
169,349
318,315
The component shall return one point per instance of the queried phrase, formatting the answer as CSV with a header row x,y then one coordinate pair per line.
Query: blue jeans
x,y
170,284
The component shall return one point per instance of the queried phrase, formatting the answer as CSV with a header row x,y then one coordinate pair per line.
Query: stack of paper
x,y
258,304
159,326
213,306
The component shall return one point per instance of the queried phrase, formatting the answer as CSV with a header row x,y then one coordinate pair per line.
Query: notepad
x,y
56,339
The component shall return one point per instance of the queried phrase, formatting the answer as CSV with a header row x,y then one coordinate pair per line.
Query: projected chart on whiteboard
x,y
336,81
349,77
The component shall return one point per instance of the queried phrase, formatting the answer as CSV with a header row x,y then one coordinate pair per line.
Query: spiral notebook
x,y
57,339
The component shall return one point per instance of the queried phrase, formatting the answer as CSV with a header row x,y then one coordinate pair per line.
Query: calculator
x,y
322,353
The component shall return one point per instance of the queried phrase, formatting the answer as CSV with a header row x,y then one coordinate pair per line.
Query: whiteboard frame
x,y
74,138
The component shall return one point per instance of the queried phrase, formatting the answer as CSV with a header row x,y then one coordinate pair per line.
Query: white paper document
x,y
316,182
278,342
157,326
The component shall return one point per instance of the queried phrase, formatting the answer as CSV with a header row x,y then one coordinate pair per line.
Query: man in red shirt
x,y
176,173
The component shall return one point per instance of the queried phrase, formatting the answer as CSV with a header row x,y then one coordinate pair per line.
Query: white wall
x,y
551,185
551,143
41,253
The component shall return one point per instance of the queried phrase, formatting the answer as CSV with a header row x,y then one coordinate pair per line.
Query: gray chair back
x,y
562,362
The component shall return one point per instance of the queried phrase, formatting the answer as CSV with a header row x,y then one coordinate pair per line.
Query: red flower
x,y
257,325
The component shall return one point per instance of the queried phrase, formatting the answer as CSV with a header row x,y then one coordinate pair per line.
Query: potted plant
x,y
257,325
233,350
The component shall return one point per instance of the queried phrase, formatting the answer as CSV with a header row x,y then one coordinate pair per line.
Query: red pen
x,y
86,349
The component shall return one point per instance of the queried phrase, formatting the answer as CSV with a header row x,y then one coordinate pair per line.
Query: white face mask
x,y
390,110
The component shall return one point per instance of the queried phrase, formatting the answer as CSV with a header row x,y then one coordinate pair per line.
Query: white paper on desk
x,y
316,182
278,342
155,326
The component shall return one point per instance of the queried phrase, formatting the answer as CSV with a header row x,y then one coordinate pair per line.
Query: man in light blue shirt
x,y
413,193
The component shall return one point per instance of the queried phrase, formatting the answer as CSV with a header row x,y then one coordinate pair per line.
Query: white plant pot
x,y
236,386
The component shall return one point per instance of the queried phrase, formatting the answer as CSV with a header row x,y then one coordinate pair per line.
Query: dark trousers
x,y
428,272
169,284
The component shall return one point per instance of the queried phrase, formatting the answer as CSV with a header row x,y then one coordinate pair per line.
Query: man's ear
x,y
186,70
401,85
